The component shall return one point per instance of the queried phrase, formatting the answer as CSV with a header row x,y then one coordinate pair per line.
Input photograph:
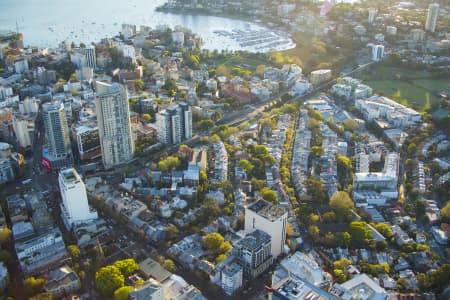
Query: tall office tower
x,y
89,54
74,207
372,15
57,130
174,124
113,117
433,12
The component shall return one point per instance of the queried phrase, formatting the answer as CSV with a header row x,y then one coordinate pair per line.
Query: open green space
x,y
244,62
414,88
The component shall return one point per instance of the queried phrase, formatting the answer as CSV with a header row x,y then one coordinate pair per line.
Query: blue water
x,y
46,23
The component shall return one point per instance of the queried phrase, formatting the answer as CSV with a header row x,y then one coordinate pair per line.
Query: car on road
x,y
27,181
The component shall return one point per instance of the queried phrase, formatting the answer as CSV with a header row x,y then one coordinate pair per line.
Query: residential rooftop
x,y
267,210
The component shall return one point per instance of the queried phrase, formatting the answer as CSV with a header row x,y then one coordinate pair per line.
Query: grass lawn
x,y
237,60
414,88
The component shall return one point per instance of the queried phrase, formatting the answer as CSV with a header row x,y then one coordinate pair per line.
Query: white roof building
x,y
359,287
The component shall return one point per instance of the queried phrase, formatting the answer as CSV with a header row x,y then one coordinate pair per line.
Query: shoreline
x,y
229,16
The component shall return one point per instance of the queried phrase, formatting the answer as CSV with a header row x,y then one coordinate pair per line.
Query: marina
x,y
259,40
48,23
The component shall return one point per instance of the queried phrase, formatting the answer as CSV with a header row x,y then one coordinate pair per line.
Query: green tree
x,y
168,164
384,229
339,275
34,285
381,246
314,232
423,281
203,177
329,240
316,189
126,266
211,207
350,125
359,234
225,247
445,213
269,195
439,278
246,166
341,203
169,265
122,293
213,241
317,151
329,217
146,117
342,264
74,252
220,258
108,279
5,236
345,239
7,258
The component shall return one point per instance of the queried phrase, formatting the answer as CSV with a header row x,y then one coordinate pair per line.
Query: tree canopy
x,y
169,265
445,213
269,195
122,293
341,203
108,279
168,164
126,266
213,241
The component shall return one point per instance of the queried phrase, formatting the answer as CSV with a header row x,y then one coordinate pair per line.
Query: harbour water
x,y
46,23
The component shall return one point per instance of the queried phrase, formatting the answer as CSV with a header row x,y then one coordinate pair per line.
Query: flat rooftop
x,y
268,210
70,175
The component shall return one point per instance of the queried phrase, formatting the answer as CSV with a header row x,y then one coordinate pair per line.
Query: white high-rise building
x,y
56,130
91,61
24,129
377,52
231,278
74,207
174,124
113,117
270,218
372,15
433,12
84,57
29,106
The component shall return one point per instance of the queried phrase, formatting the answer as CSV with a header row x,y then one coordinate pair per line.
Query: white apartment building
x,y
231,278
270,218
372,15
383,182
383,107
320,76
377,52
113,117
306,268
24,129
29,106
174,124
433,13
74,207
